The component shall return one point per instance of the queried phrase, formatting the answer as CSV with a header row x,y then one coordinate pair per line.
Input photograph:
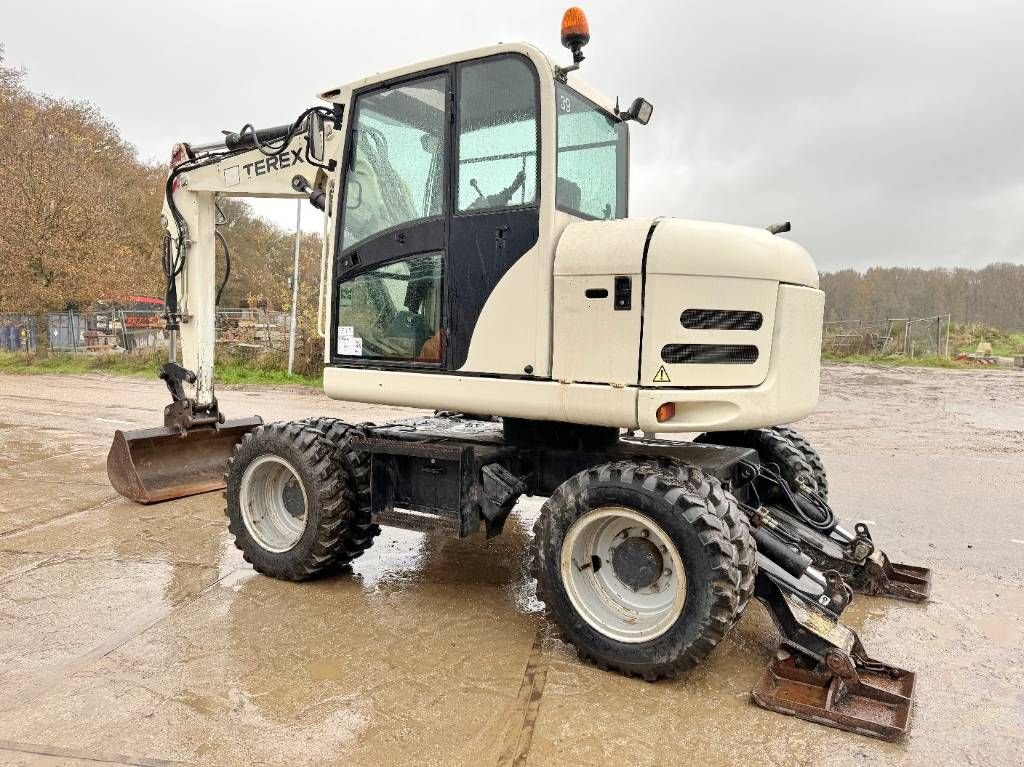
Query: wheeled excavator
x,y
479,261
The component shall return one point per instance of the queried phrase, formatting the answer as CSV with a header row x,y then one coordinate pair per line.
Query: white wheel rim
x,y
274,504
611,602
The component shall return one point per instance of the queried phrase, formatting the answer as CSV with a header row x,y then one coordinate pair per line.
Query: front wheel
x,y
637,571
290,505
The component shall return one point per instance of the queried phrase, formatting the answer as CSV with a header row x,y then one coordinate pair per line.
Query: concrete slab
x,y
341,670
138,635
65,614
190,531
29,502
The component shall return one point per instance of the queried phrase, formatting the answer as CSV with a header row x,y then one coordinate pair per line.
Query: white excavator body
x,y
547,303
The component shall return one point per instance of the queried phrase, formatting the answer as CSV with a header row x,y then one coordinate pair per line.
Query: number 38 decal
x,y
564,103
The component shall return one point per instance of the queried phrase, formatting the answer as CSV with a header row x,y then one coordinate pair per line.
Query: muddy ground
x,y
137,635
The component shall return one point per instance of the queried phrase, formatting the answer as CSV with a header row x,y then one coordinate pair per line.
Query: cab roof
x,y
546,68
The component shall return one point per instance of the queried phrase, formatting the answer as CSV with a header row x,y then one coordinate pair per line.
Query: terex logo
x,y
277,162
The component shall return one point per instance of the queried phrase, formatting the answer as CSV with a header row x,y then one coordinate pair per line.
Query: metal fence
x,y
116,331
913,337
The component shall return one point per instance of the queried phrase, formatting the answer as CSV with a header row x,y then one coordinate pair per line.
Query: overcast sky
x,y
889,132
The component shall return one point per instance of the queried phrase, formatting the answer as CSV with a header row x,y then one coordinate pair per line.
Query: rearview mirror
x,y
315,138
640,111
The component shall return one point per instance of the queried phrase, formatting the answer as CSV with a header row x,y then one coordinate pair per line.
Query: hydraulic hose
x,y
175,248
227,266
810,507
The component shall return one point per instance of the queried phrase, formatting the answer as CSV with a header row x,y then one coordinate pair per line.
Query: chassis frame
x,y
456,474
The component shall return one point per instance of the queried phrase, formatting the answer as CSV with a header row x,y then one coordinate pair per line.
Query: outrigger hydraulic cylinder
x,y
808,569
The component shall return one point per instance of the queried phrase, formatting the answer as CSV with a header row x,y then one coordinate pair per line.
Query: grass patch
x,y
907,362
965,338
228,370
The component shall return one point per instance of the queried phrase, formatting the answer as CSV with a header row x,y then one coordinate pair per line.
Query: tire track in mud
x,y
70,753
523,718
134,626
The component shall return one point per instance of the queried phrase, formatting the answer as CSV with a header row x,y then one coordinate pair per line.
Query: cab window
x,y
393,312
592,158
397,164
497,127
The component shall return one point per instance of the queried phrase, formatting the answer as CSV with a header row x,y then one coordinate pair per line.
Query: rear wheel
x,y
810,455
773,450
360,531
735,521
289,502
636,569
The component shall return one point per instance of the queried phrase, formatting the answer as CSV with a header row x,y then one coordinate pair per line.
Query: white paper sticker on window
x,y
352,345
345,331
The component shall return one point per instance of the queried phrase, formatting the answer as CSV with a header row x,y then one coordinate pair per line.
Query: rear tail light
x,y
666,412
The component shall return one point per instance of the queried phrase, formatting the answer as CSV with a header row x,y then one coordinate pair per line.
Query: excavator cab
x,y
439,199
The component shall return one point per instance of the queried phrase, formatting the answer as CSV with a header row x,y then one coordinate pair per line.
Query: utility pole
x,y
295,284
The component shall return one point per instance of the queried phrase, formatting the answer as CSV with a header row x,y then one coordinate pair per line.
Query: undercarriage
x,y
460,475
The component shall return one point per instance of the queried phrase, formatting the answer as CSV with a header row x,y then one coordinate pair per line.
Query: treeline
x,y
80,219
992,295
79,214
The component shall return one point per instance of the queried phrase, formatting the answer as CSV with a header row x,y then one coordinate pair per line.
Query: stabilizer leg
x,y
877,576
822,672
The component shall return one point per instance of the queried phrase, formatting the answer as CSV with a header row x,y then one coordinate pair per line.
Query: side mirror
x,y
640,111
315,137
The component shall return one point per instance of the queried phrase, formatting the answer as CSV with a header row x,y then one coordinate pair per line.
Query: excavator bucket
x,y
152,465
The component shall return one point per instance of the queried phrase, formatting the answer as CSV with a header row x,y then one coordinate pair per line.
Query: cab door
x,y
495,195
390,266
440,200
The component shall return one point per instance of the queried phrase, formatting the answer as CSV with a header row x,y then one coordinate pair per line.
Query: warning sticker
x,y
662,376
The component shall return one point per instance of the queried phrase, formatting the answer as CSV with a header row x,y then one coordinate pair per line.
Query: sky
x,y
889,133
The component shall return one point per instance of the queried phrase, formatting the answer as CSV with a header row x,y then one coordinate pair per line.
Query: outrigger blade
x,y
855,694
822,672
881,578
152,465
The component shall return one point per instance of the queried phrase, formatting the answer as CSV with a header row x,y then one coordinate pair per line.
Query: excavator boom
x,y
187,455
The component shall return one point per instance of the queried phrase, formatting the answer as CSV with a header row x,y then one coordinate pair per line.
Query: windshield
x,y
592,158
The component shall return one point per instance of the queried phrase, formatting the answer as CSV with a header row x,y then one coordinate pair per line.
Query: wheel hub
x,y
273,503
637,563
293,498
623,574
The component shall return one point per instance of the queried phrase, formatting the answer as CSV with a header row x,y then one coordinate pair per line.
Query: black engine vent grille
x,y
709,354
721,319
